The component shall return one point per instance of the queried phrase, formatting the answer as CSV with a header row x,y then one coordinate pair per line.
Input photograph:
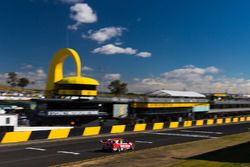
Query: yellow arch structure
x,y
55,75
56,66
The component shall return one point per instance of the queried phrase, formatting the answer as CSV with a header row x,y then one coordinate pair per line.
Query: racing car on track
x,y
117,144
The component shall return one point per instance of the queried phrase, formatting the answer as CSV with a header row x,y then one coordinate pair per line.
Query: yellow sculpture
x,y
77,85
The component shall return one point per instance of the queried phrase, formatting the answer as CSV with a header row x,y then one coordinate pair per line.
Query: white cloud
x,y
105,34
3,78
111,77
136,79
212,69
27,66
85,68
70,74
40,73
81,13
192,78
38,76
118,43
144,54
71,1
191,71
110,49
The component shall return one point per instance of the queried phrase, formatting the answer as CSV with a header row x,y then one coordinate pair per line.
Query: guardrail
x,y
24,136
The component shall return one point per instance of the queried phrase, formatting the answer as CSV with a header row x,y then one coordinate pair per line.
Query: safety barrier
x,y
24,136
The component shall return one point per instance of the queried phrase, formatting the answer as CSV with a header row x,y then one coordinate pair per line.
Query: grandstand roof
x,y
173,93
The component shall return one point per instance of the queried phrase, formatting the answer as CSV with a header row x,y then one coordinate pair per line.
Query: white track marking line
x,y
205,132
148,142
184,135
67,152
33,148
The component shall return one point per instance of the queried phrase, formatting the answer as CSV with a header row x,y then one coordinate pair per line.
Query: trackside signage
x,y
73,113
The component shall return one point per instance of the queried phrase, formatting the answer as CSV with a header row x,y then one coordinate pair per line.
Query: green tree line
x,y
13,80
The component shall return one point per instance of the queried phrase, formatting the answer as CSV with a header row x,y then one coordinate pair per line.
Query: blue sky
x,y
172,44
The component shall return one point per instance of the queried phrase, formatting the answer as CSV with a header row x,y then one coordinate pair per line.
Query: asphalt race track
x,y
57,152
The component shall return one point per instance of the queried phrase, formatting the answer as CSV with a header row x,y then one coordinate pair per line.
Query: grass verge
x,y
233,150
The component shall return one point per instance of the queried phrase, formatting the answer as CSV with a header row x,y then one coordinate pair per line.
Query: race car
x,y
117,144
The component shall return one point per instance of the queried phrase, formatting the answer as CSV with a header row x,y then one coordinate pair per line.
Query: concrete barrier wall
x,y
38,128
24,136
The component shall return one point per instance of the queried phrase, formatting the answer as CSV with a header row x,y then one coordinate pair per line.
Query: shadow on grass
x,y
236,154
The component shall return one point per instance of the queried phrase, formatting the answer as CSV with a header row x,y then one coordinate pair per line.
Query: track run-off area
x,y
48,153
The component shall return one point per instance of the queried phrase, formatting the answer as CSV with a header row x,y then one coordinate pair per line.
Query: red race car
x,y
117,144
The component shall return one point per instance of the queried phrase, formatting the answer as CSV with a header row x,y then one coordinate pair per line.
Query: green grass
x,y
203,163
9,88
238,156
16,89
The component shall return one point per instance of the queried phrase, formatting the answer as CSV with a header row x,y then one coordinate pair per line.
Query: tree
x,y
117,87
23,82
12,79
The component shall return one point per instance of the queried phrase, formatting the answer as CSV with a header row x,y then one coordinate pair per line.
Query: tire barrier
x,y
24,136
